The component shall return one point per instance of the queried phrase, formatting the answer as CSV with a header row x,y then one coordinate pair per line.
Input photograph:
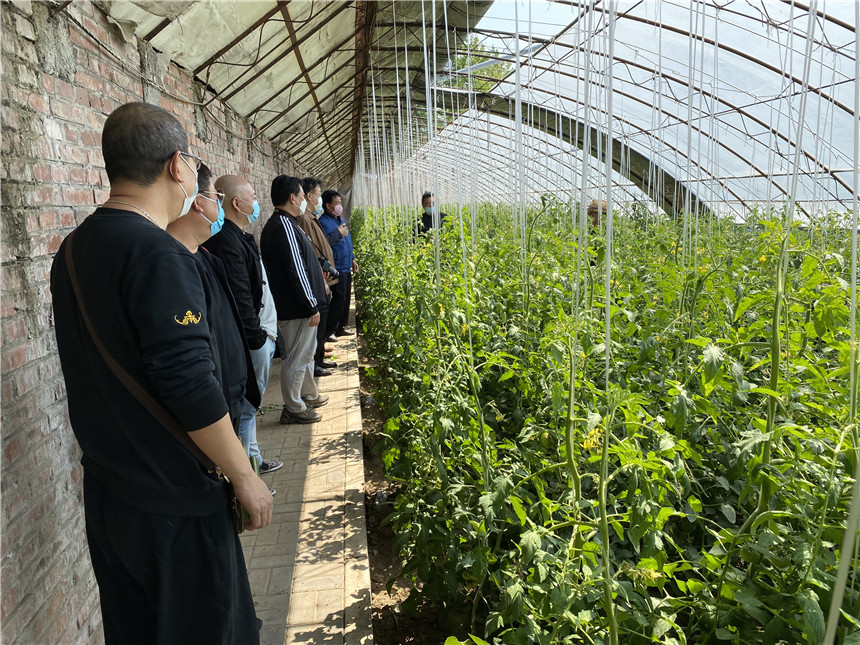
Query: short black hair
x,y
329,195
309,183
426,195
282,187
138,139
204,178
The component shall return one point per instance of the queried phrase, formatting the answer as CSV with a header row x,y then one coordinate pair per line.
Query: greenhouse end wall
x,y
58,86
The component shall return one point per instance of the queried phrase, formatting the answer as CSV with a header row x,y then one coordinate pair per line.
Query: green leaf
x,y
452,640
813,617
852,639
713,359
478,641
519,510
729,512
530,544
695,586
506,376
765,390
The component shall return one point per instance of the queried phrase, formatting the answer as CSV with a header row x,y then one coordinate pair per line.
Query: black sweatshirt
x,y
143,292
295,276
241,257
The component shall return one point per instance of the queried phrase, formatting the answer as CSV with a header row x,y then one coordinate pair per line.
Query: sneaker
x,y
305,416
272,491
321,371
331,338
328,364
270,466
318,402
344,332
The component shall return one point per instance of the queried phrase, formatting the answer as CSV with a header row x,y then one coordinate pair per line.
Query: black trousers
x,y
319,355
165,579
338,311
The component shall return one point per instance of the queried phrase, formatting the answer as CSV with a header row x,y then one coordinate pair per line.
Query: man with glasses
x,y
249,284
166,558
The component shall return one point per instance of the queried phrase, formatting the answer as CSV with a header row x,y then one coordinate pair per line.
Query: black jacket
x,y
230,353
241,257
426,223
143,293
295,276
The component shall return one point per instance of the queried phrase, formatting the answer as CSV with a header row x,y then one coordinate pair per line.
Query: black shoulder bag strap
x,y
156,409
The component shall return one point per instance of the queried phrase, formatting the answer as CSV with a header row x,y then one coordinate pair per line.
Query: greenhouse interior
x,y
606,354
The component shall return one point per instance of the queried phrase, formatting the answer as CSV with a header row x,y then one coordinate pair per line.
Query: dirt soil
x,y
391,626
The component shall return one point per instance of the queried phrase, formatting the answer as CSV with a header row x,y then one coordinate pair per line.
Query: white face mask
x,y
304,206
189,199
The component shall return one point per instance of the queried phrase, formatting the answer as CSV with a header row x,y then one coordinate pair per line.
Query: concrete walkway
x,y
308,569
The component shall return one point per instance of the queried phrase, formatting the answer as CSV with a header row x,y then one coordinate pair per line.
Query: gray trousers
x,y
297,371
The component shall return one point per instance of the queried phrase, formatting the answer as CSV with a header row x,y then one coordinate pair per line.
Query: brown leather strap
x,y
161,414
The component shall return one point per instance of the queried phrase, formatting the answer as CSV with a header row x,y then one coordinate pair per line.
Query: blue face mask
x,y
215,226
256,212
428,210
319,209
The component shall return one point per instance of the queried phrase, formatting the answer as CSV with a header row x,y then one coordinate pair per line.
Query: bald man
x,y
247,279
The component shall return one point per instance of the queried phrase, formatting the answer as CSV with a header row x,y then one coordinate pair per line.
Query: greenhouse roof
x,y
711,120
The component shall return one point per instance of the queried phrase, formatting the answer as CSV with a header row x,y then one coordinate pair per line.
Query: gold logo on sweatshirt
x,y
189,318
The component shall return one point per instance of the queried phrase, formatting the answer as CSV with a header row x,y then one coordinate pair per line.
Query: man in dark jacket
x,y
167,560
429,218
246,275
298,289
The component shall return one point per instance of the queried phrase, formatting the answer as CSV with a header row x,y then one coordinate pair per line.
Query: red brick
x,y
42,172
77,196
11,452
68,111
70,134
48,82
67,219
66,90
82,97
54,242
14,330
78,175
60,174
38,103
92,139
88,81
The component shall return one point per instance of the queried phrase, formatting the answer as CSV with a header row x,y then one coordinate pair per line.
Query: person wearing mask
x,y
310,225
429,218
165,555
247,278
298,288
337,234
229,350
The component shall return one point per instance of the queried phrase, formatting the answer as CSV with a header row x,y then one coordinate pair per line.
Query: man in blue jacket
x,y
337,234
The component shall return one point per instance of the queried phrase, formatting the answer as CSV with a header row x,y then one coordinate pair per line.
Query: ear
x,y
173,166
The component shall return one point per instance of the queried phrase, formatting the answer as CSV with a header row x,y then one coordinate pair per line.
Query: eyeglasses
x,y
197,160
219,196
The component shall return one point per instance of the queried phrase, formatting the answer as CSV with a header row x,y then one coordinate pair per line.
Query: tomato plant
x,y
692,489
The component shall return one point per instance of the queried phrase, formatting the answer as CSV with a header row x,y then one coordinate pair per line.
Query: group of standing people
x,y
168,316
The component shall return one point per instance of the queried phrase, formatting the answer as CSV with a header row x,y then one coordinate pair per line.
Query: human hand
x,y
314,320
256,499
354,266
343,229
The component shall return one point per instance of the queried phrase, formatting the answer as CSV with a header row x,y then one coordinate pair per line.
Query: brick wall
x,y
58,86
